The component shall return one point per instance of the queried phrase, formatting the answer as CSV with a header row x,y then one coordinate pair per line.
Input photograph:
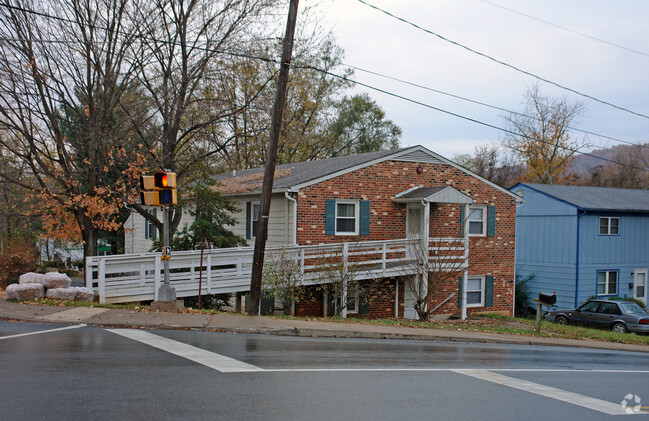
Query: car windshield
x,y
631,308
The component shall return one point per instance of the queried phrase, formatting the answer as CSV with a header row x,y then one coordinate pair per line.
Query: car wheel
x,y
619,328
561,320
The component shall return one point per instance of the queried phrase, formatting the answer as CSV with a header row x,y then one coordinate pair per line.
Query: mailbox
x,y
547,299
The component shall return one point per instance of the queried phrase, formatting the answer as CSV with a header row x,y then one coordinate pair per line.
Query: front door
x,y
640,285
414,229
415,221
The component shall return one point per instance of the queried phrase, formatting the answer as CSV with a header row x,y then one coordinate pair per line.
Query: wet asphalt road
x,y
96,373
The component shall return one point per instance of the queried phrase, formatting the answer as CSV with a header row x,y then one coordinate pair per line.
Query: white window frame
x,y
353,298
608,225
253,231
357,218
482,290
484,221
149,227
607,283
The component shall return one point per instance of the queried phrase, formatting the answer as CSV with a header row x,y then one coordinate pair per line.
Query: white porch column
x,y
465,275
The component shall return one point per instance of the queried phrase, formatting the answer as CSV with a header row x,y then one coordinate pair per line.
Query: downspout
x,y
288,196
580,213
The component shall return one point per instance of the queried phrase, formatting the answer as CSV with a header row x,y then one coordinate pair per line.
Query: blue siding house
x,y
582,241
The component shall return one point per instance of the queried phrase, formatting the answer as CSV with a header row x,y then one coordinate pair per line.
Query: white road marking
x,y
41,331
606,407
210,359
229,365
74,314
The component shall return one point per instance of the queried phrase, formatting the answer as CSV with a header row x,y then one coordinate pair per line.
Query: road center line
x,y
547,391
210,359
42,331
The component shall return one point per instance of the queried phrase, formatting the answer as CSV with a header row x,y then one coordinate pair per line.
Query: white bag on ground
x,y
31,291
31,278
56,280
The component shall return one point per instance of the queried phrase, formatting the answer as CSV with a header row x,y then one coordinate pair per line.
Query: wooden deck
x,y
137,277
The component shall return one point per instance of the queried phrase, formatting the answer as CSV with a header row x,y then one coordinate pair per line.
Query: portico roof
x,y
434,194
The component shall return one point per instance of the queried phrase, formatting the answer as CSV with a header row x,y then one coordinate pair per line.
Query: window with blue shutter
x,y
330,217
248,225
489,291
347,217
365,217
491,221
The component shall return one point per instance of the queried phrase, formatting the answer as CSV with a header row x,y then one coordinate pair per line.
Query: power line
x,y
504,63
241,55
484,104
473,120
568,29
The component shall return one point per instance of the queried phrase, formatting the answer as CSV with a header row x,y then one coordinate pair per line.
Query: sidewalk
x,y
266,325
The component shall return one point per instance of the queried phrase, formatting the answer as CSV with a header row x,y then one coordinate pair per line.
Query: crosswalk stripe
x,y
210,359
42,331
606,407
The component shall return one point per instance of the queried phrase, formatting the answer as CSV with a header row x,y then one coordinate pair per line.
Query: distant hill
x,y
583,163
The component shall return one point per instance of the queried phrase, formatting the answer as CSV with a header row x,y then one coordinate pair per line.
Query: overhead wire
x,y
603,41
473,120
484,104
294,65
495,60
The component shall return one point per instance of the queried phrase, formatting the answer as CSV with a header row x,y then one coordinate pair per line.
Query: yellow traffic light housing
x,y
159,189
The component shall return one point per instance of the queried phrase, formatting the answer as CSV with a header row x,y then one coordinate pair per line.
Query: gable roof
x,y
435,194
603,199
292,177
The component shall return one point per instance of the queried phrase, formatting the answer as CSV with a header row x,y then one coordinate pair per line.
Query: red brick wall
x,y
379,184
381,302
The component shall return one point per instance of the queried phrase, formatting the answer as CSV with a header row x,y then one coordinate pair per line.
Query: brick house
x,y
389,195
404,196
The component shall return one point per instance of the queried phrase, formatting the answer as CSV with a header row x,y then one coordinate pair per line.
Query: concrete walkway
x,y
278,326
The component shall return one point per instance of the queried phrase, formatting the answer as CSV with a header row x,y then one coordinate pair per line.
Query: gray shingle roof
x,y
597,198
303,172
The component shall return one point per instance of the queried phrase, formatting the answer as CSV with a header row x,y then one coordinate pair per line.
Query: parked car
x,y
619,316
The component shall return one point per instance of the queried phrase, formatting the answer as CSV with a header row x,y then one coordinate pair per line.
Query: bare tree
x,y
632,172
283,278
540,136
185,44
492,163
339,270
63,77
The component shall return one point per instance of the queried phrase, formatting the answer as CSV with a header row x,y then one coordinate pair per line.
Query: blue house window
x,y
609,225
607,282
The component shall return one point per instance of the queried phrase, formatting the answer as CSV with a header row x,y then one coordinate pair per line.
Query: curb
x,y
352,334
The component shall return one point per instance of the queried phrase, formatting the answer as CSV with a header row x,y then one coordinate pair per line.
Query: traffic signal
x,y
158,189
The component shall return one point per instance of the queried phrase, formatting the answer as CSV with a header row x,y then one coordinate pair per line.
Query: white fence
x,y
137,277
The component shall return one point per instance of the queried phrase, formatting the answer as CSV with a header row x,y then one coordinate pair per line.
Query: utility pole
x,y
271,159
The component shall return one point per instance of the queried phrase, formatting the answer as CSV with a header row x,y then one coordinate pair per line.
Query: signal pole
x,y
271,159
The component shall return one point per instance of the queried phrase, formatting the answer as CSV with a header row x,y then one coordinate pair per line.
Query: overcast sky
x,y
377,42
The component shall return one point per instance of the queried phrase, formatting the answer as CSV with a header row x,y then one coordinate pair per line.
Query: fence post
x,y
209,273
156,277
102,281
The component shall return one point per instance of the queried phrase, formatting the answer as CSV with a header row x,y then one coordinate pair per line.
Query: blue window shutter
x,y
330,217
365,217
491,221
489,291
363,304
459,293
248,216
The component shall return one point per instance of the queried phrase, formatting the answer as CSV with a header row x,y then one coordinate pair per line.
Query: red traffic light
x,y
165,180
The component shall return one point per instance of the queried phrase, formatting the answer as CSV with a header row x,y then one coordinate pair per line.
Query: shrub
x,y
522,294
208,301
18,257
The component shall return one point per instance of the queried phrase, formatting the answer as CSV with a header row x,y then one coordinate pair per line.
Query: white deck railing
x,y
137,277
